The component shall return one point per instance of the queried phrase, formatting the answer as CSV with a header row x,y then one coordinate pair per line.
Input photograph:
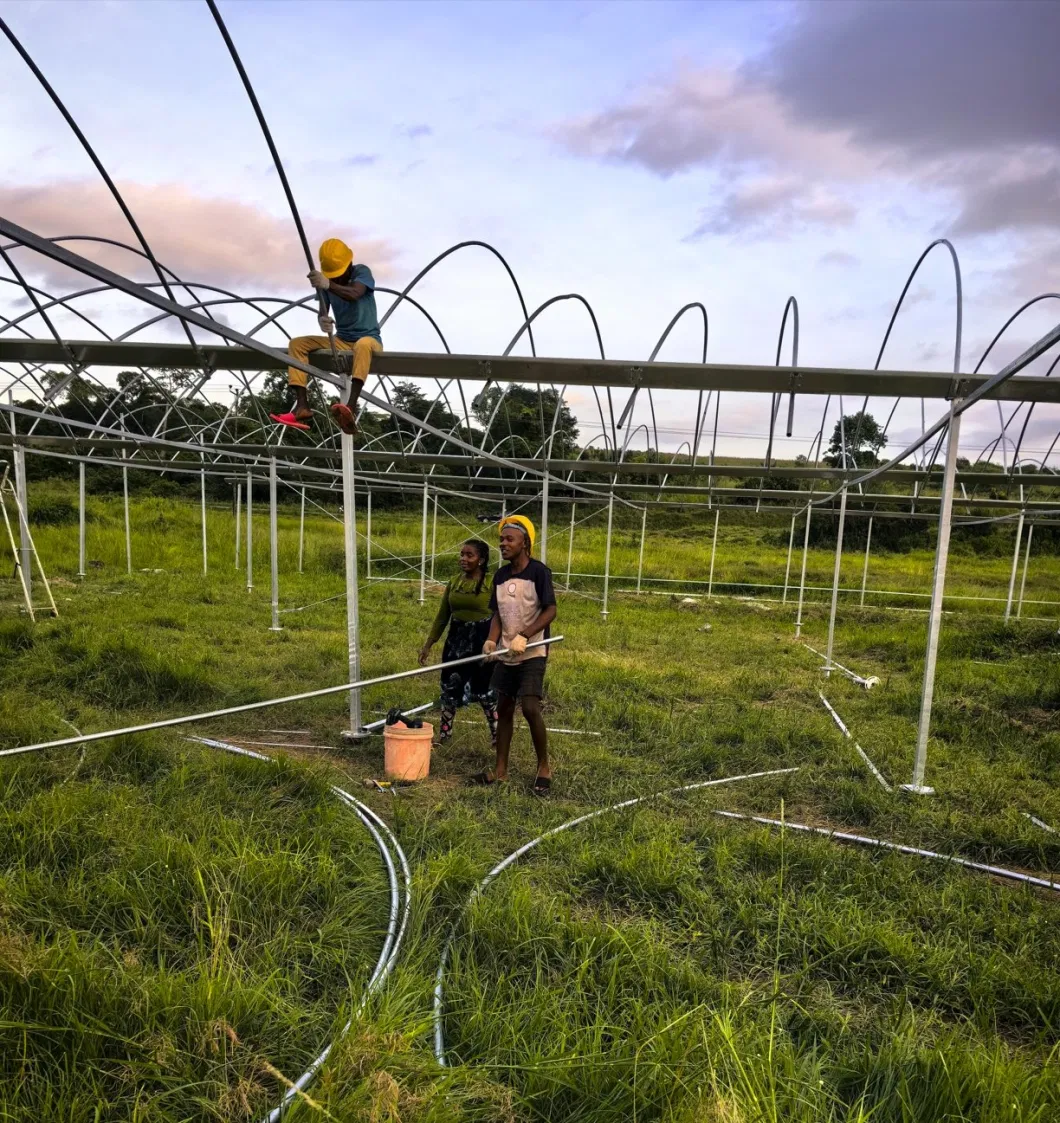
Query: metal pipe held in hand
x,y
167,723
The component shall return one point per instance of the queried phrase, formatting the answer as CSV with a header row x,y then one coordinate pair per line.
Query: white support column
x,y
301,534
938,589
713,548
17,555
835,581
274,547
640,558
368,541
1015,562
1026,563
25,549
250,532
787,568
239,519
125,498
349,512
434,535
570,542
543,531
865,568
607,552
423,547
81,520
802,579
202,505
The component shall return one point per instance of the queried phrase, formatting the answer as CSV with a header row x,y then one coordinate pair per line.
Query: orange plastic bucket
x,y
407,752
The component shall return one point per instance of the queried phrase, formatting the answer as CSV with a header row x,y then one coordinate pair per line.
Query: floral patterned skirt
x,y
471,682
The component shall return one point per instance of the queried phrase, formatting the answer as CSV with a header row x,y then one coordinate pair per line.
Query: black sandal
x,y
483,779
542,785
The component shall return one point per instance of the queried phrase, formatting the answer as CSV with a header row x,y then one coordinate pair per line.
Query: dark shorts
x,y
514,680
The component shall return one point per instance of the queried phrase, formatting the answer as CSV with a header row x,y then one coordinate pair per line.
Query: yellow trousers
x,y
302,346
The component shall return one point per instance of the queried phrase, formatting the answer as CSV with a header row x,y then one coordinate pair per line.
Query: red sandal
x,y
344,419
289,420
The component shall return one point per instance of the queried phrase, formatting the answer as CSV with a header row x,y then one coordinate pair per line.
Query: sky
x,y
642,155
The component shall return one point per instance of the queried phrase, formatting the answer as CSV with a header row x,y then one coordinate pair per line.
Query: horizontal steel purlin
x,y
571,372
588,467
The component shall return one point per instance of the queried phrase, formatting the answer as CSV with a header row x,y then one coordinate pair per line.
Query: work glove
x,y
518,645
327,324
318,280
488,648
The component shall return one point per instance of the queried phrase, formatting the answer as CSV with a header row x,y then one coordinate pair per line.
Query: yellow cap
x,y
335,257
522,521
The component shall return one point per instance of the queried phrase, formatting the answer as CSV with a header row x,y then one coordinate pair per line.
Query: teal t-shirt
x,y
354,319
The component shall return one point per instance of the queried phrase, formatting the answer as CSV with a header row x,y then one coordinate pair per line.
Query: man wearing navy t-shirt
x,y
524,606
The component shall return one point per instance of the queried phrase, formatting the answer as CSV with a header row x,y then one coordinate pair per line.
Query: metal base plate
x,y
918,789
352,737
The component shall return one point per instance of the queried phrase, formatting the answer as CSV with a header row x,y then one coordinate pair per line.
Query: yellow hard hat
x,y
523,522
335,257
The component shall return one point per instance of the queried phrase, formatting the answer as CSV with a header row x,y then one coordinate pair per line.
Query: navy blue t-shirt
x,y
354,319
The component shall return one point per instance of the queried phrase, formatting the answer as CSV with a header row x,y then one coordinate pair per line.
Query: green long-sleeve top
x,y
461,602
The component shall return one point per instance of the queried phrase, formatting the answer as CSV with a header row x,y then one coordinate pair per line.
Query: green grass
x,y
658,964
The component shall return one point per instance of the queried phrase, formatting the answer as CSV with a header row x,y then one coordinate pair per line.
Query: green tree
x,y
527,418
409,398
864,439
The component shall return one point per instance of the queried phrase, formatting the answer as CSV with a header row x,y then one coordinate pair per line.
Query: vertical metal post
x,y
607,551
239,519
349,511
787,568
802,579
202,504
643,531
368,542
18,457
250,532
543,535
125,496
301,533
15,553
835,581
713,547
423,548
81,519
570,542
1026,563
938,589
865,569
274,547
25,550
434,535
1015,561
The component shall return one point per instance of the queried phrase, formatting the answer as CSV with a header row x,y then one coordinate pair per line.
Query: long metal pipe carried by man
x,y
190,719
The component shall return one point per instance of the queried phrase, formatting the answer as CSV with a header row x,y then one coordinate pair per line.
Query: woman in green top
x,y
465,608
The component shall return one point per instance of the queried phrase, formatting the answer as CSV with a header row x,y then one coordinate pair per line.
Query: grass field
x,y
177,927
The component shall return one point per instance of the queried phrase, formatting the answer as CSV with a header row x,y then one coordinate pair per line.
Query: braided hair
x,y
483,551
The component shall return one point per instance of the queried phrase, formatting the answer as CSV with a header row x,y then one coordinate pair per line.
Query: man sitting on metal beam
x,y
348,290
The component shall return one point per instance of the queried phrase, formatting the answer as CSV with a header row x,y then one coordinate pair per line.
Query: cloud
x,y
216,240
920,295
1016,197
951,98
772,207
931,79
415,131
702,117
839,258
359,160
